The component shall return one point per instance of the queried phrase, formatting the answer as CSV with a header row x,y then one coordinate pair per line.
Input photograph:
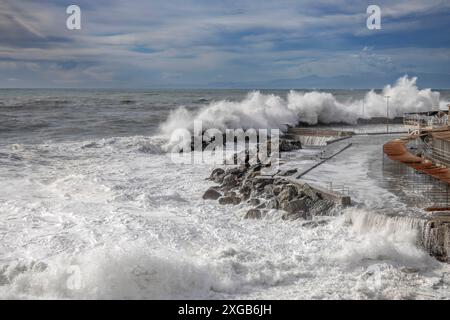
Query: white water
x,y
315,140
126,222
260,110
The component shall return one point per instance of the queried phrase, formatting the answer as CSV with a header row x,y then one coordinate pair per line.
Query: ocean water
x,y
91,205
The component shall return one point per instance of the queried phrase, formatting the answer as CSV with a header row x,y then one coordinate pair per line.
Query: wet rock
x,y
409,270
268,196
314,224
253,214
254,201
262,205
280,181
217,175
307,190
252,172
289,145
289,172
259,184
211,194
230,181
268,190
295,206
293,215
273,204
288,193
276,190
229,200
245,190
245,196
230,194
238,171
320,207
216,171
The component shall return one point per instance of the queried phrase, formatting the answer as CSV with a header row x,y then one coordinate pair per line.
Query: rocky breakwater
x,y
285,142
245,184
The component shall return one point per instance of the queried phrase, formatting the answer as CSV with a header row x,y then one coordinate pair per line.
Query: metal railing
x,y
435,153
417,120
338,188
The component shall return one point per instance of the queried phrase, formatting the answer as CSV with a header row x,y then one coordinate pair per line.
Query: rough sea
x,y
92,207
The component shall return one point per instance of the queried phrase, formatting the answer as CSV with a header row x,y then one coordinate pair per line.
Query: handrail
x,y
433,152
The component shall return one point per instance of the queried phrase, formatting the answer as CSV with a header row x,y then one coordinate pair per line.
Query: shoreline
x,y
297,199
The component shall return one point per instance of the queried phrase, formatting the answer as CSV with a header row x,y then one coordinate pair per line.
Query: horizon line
x,y
194,88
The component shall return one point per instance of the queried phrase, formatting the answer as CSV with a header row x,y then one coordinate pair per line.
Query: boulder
x,y
288,172
217,175
280,181
211,194
230,181
268,196
320,207
253,214
294,216
273,204
295,206
262,205
236,170
268,189
216,171
314,224
308,191
254,201
259,184
252,172
229,200
276,190
289,145
245,196
230,194
245,190
288,193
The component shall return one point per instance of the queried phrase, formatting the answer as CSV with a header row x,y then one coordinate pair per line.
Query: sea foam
x,y
259,110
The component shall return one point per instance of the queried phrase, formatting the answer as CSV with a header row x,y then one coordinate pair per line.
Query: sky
x,y
223,44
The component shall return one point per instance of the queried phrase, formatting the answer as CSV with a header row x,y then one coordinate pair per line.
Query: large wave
x,y
260,110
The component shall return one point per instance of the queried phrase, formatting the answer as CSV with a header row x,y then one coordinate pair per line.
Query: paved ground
x,y
372,181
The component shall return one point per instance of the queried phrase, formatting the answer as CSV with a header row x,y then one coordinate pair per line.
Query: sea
x,y
92,207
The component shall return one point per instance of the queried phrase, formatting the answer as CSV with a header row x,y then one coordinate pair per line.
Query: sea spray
x,y
395,239
112,272
259,110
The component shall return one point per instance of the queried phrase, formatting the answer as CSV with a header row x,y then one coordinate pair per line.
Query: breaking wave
x,y
387,238
110,273
260,110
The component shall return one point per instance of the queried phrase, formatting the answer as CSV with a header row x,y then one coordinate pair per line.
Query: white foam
x,y
314,140
125,271
379,237
136,226
260,110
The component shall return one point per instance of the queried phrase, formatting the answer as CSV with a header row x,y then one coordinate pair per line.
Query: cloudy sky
x,y
223,44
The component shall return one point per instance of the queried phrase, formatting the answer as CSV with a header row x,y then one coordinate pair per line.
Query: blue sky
x,y
223,44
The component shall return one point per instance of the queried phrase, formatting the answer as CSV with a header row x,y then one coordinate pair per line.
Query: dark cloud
x,y
206,43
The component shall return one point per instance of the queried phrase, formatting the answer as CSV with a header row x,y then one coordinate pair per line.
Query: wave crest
x,y
259,110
